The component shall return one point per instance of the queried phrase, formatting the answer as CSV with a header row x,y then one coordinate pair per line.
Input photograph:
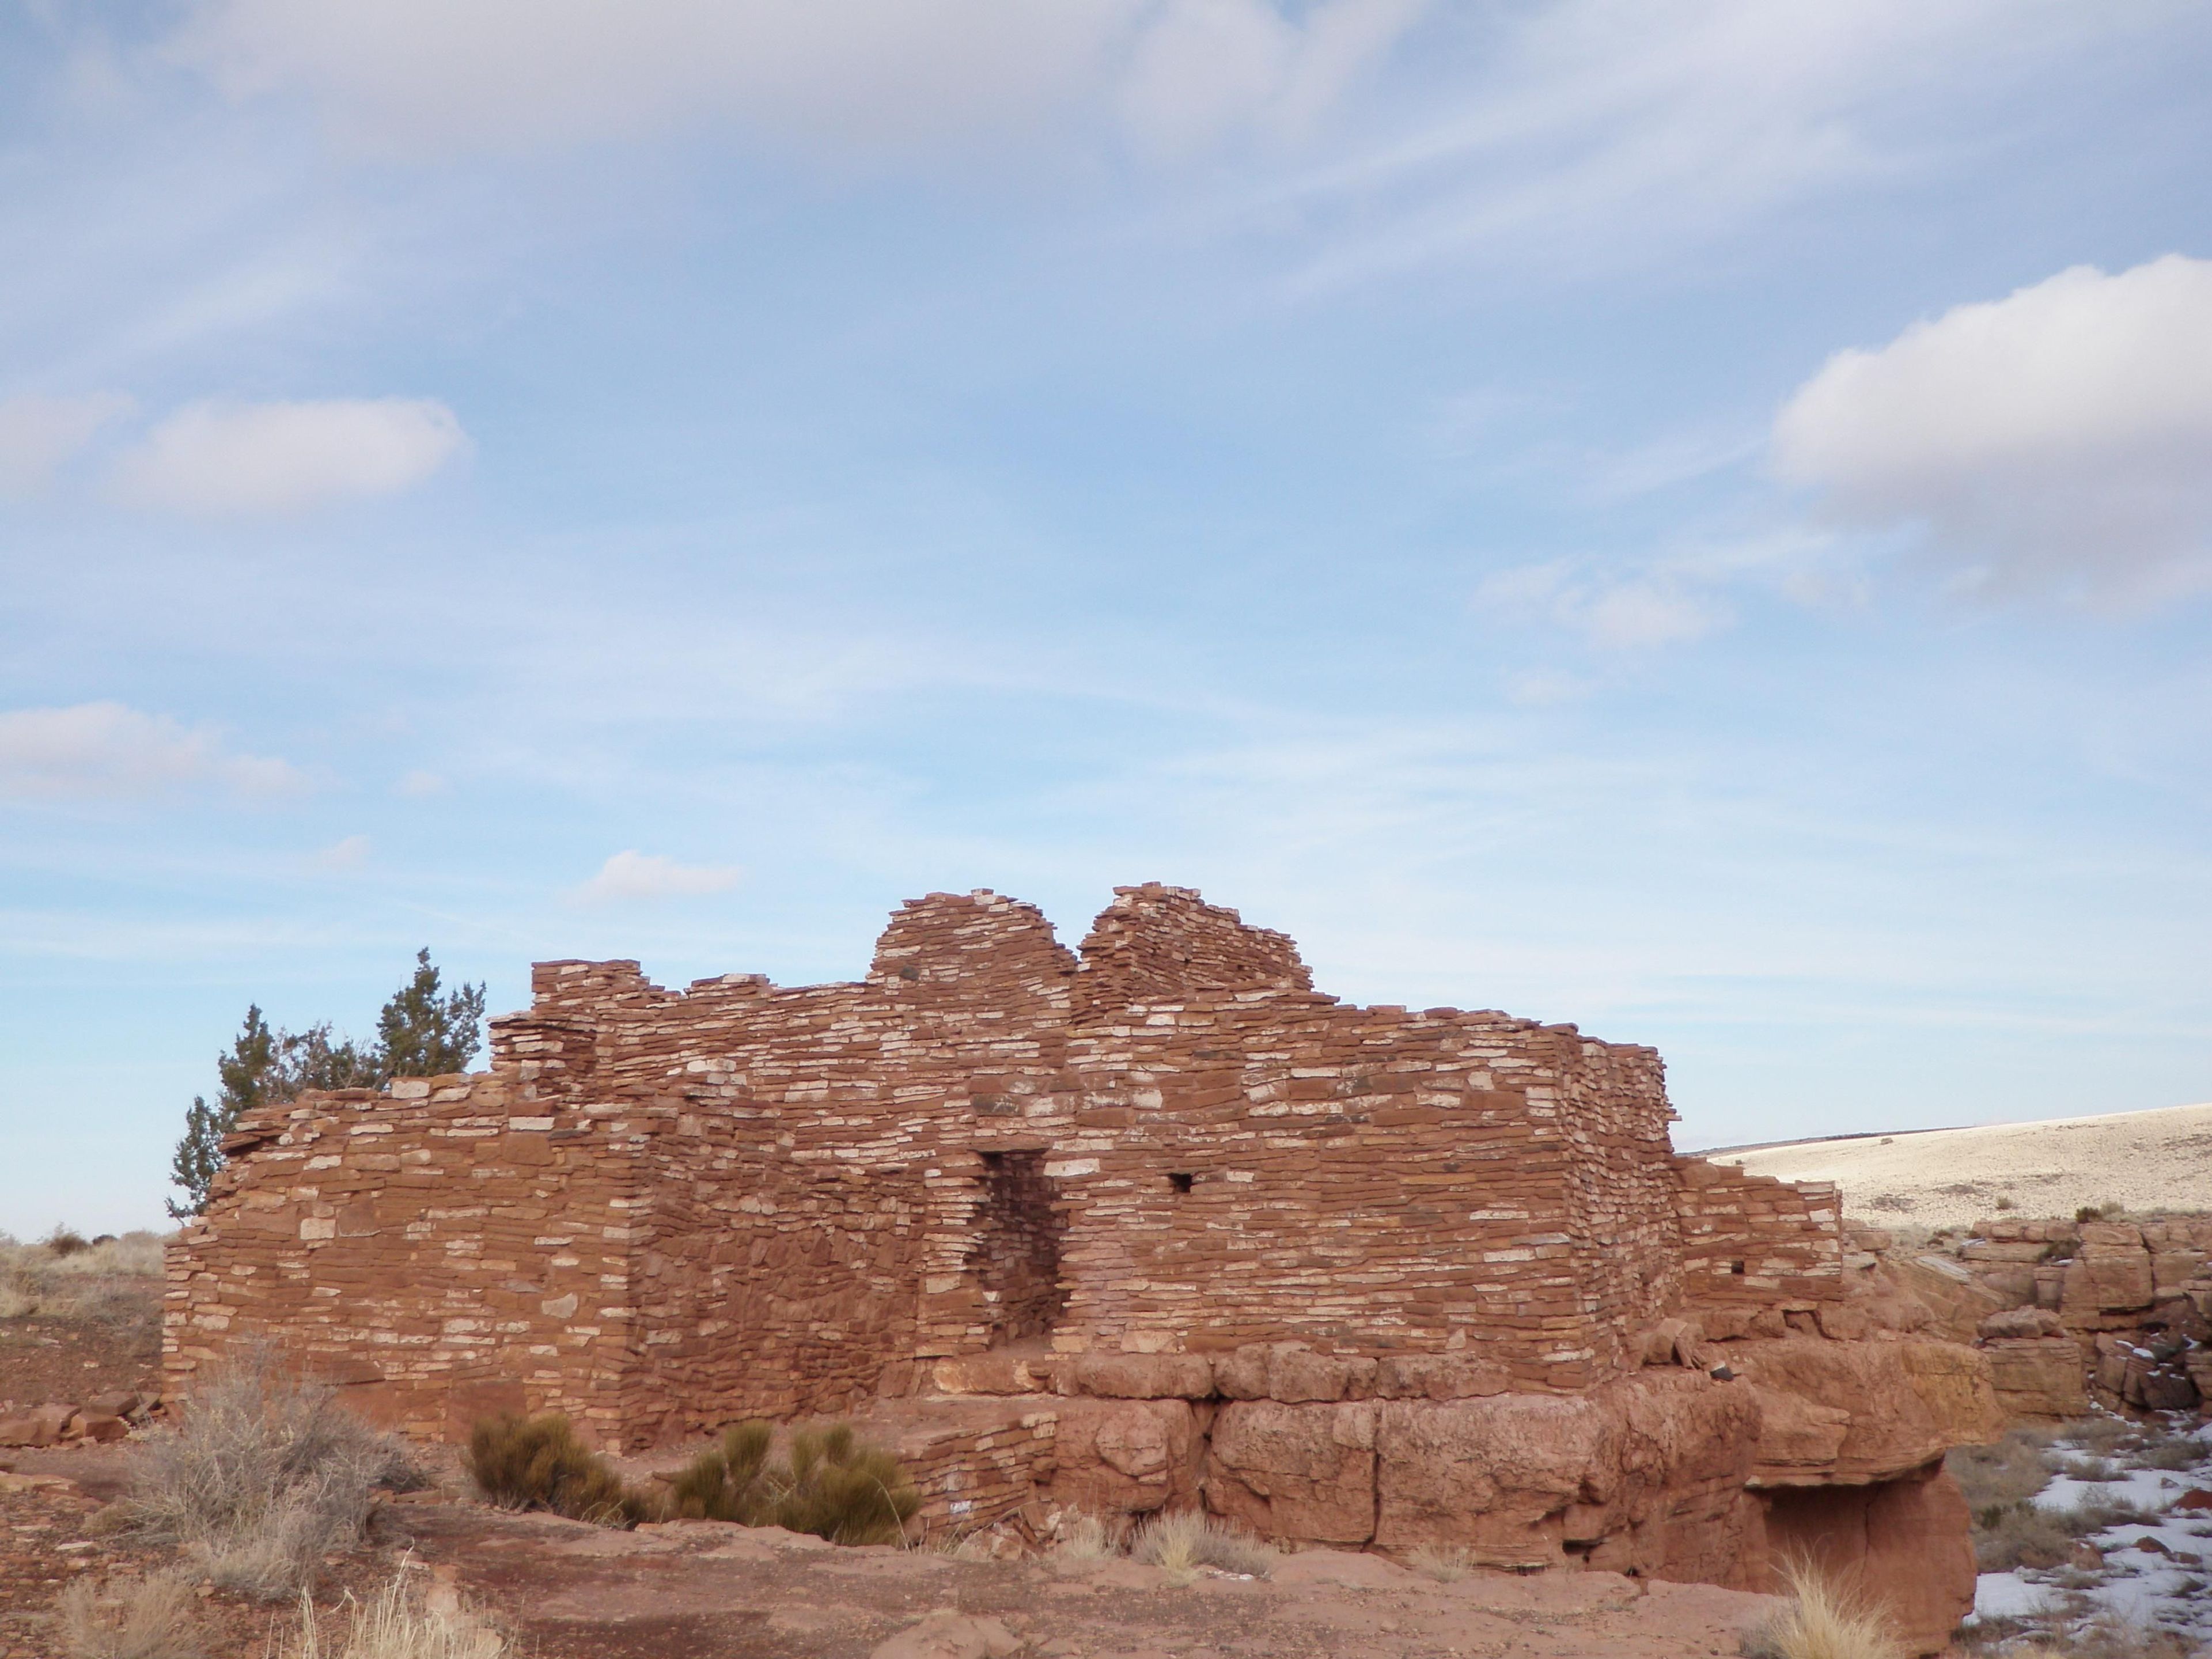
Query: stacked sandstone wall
x,y
1154,1222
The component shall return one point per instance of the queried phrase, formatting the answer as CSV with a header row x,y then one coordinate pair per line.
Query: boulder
x,y
1293,1374
2038,1379
42,1425
1438,1376
1124,1456
1138,1375
121,1402
1301,1470
2116,1280
2021,1323
1857,1411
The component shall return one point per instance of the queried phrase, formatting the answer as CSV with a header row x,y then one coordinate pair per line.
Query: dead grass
x,y
264,1476
1181,1543
2020,1536
1823,1621
2107,1638
2011,1471
2172,1452
1445,1565
115,1281
155,1617
399,1622
1084,1537
2101,1437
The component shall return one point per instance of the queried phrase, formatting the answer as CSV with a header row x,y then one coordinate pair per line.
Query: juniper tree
x,y
422,1034
421,1031
246,1074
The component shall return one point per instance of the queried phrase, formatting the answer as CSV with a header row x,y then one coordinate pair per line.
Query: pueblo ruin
x,y
1153,1224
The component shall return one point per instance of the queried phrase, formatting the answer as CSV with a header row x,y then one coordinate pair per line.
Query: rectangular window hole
x,y
1181,1181
1735,1267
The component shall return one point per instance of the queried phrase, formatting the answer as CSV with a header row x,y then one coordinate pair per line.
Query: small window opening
x,y
1181,1181
1735,1267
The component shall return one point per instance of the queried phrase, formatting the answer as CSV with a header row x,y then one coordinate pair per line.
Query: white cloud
x,y
2059,439
229,459
108,750
873,79
632,876
38,434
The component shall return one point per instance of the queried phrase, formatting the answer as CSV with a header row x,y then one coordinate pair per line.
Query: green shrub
x,y
66,1240
537,1463
730,1481
831,1486
845,1492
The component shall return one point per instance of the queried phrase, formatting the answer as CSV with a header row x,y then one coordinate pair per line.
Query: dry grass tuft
x,y
155,1617
2020,1536
1084,1537
2101,1437
1181,1543
397,1622
1445,1565
264,1476
1823,1621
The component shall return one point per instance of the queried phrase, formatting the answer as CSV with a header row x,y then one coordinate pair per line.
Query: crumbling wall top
x,y
1161,944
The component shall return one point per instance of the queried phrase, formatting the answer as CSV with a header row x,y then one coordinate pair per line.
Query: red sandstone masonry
x,y
662,1211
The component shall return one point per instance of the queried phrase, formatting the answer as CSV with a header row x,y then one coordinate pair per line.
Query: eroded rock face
x,y
1860,1412
1905,1539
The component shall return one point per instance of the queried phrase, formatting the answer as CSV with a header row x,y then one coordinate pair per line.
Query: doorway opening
x,y
1017,1249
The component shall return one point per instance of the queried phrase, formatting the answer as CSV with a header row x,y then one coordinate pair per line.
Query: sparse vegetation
x,y
399,1623
1823,1620
111,1280
2010,1535
2171,1451
265,1476
1446,1566
2006,1473
2101,1437
153,1617
1084,1537
1182,1542
831,1484
539,1463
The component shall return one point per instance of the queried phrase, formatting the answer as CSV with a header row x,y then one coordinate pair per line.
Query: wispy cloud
x,y
39,434
98,750
633,877
225,459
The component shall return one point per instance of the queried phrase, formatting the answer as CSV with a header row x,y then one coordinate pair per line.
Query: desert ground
x,y
2141,1161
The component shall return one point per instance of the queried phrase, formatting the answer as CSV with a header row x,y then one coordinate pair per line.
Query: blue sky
x,y
1695,521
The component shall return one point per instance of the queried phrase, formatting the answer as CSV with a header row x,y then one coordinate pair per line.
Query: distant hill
x,y
2160,1160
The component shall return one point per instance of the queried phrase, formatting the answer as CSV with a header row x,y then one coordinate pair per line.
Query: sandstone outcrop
x,y
1150,1226
2071,1313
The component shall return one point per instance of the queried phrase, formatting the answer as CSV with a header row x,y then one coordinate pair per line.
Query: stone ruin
x,y
1156,1225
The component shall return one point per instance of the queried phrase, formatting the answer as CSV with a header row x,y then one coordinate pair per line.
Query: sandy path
x,y
2160,1160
